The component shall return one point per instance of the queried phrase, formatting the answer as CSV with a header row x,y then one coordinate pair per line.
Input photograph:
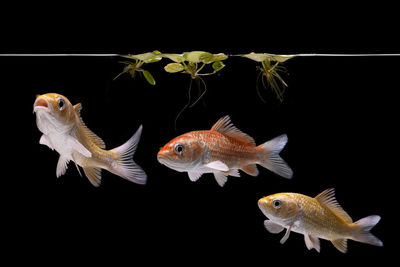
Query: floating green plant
x,y
193,63
132,67
270,72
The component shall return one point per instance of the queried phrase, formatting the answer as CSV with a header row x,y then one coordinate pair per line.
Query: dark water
x,y
339,115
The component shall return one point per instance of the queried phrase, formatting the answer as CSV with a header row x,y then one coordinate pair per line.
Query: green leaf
x,y
198,56
153,59
219,57
260,57
141,57
218,65
149,77
206,58
156,57
281,58
149,57
174,67
174,57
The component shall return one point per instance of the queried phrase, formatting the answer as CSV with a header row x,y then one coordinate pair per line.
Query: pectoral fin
x,y
272,227
286,236
76,145
45,141
312,242
218,165
62,166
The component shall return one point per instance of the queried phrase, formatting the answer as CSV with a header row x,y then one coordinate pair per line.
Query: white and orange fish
x,y
319,217
64,131
223,151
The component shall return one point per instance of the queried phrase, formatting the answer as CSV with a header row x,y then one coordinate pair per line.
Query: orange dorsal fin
x,y
225,126
87,132
328,200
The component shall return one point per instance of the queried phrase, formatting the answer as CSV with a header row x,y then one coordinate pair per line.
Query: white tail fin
x,y
362,228
270,158
124,165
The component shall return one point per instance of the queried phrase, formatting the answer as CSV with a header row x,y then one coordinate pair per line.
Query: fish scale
x,y
64,131
319,217
230,151
223,150
319,220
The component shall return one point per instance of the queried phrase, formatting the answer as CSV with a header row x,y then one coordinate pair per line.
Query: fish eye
x,y
61,103
276,203
179,148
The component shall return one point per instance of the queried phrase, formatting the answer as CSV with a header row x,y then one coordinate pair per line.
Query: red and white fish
x,y
64,131
318,217
223,151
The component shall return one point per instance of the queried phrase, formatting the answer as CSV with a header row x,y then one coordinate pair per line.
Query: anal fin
x,y
250,169
340,244
233,172
94,175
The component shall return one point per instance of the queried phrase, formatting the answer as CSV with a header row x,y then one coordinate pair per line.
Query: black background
x,y
339,115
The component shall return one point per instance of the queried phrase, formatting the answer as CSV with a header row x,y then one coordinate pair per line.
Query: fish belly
x,y
59,144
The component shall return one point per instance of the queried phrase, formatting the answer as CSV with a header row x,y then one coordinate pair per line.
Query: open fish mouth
x,y
41,104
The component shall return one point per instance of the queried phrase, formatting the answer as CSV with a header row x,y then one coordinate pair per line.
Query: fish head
x,y
182,153
53,112
280,207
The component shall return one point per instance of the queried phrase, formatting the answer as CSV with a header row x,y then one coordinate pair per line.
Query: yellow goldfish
x,y
64,131
319,217
223,151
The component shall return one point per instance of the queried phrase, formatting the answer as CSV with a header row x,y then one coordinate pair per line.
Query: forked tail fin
x,y
124,165
270,158
362,230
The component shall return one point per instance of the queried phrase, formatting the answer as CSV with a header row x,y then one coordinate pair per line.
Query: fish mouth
x,y
263,205
164,160
41,104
